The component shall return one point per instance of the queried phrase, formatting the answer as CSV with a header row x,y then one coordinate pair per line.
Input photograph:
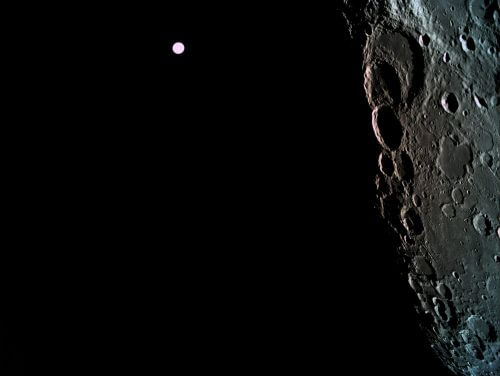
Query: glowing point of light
x,y
178,48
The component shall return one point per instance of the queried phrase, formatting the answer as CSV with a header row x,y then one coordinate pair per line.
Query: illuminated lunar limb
x,y
432,80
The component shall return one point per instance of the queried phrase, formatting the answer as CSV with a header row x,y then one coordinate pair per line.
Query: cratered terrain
x,y
432,80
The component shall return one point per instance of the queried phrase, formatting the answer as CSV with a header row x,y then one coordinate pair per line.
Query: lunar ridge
x,y
431,77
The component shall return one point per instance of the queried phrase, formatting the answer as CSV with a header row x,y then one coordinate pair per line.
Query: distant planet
x,y
178,48
432,80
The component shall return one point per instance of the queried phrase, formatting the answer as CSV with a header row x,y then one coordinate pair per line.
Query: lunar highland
x,y
432,80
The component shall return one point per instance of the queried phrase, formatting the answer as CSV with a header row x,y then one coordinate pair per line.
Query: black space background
x,y
284,264
272,256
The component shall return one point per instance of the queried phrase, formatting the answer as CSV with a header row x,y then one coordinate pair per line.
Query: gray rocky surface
x,y
431,77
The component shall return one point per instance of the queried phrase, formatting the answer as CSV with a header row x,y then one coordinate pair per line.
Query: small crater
x,y
414,284
387,127
471,45
385,164
404,167
411,221
482,224
446,57
468,44
440,309
483,11
449,102
368,30
457,195
448,210
424,40
480,102
444,291
417,201
474,351
486,159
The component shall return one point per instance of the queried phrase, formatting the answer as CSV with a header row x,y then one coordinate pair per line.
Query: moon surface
x,y
432,80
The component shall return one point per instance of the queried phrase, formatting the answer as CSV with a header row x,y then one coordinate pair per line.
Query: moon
x,y
431,77
178,48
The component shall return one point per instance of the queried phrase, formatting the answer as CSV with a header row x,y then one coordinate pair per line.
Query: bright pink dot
x,y
178,48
